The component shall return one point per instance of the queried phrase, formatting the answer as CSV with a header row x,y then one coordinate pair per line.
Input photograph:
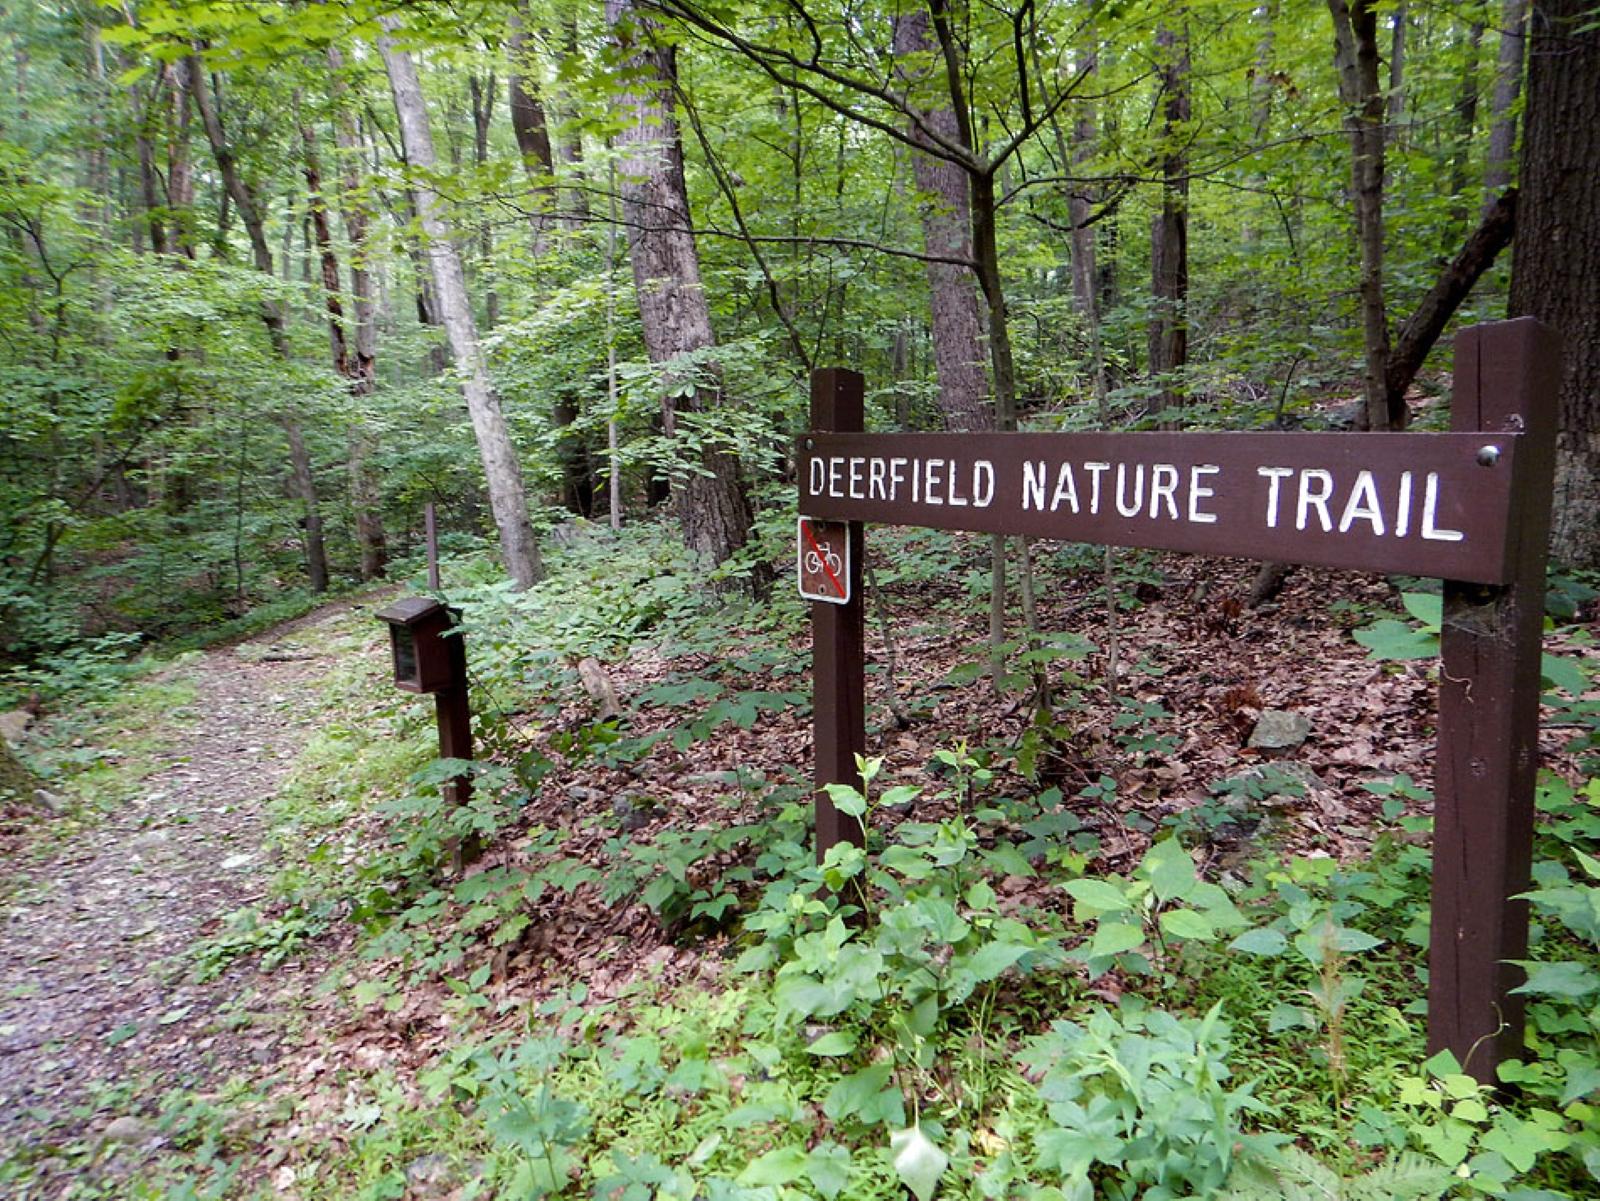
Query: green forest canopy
x,y
233,368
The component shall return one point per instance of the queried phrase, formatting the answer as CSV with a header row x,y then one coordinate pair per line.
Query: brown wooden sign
x,y
1421,504
1471,506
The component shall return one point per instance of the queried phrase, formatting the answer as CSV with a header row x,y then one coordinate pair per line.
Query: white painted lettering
x,y
1196,492
856,465
982,484
1066,489
875,488
1430,513
897,476
1123,507
932,478
1033,475
819,476
955,498
1363,503
1402,519
1095,470
1164,486
1314,500
1274,477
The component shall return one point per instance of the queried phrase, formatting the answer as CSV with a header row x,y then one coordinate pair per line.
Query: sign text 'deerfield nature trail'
x,y
1422,504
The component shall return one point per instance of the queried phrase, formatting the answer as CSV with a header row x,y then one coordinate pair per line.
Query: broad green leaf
x,y
917,1161
1289,1017
834,1043
1187,924
993,958
1169,869
1113,938
1391,639
1263,940
783,1166
1096,896
828,1169
1565,979
865,1096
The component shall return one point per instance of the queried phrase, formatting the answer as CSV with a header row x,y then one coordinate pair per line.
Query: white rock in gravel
x,y
1279,730
125,1129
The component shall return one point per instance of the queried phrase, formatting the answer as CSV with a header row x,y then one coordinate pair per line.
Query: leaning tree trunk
x,y
1555,268
711,500
1169,234
946,230
501,468
245,200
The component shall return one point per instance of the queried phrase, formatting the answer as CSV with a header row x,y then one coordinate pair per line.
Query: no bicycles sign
x,y
823,561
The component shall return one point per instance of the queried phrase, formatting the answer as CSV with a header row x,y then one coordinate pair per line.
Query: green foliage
x,y
1139,1105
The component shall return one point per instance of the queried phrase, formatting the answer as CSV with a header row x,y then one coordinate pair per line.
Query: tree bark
x,y
1501,154
1555,269
1169,234
712,503
1355,33
301,475
501,468
531,130
361,357
947,230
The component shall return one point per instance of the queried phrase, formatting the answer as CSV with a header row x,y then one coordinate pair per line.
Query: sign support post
x,y
1507,378
839,718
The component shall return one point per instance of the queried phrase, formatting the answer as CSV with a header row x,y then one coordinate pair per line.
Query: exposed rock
x,y
634,812
1280,730
431,1172
15,779
46,799
14,725
126,1129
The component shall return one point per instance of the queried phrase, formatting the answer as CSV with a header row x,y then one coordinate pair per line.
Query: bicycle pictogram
x,y
823,559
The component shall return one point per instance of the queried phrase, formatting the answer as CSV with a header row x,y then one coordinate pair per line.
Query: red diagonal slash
x,y
822,555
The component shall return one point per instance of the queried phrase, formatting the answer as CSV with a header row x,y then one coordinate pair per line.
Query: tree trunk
x,y
1355,33
1503,103
711,500
1466,114
501,468
946,230
1555,269
529,126
180,171
1396,108
301,476
361,360
483,101
1169,235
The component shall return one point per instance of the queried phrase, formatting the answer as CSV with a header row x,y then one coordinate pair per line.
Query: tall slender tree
x,y
501,467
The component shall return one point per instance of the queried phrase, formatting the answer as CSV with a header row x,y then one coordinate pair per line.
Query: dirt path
x,y
99,1009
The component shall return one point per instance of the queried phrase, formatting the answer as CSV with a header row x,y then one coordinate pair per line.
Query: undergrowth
x,y
969,1005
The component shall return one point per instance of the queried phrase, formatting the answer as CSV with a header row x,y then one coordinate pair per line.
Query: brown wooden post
x,y
453,711
839,723
1507,376
430,524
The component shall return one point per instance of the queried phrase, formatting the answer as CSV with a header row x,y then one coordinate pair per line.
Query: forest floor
x,y
147,1017
102,1016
